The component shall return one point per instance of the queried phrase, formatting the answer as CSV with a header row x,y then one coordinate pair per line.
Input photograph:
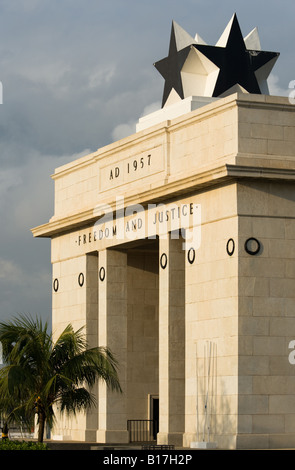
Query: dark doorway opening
x,y
155,415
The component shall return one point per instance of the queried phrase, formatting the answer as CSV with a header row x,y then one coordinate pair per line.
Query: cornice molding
x,y
219,175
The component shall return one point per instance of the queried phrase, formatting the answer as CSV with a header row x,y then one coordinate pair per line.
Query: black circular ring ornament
x,y
81,279
102,274
55,285
230,247
163,261
191,255
249,249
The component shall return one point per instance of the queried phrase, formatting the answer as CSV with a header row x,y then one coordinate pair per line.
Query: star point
x,y
170,67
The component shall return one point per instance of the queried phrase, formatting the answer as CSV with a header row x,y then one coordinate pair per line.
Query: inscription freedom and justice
x,y
137,223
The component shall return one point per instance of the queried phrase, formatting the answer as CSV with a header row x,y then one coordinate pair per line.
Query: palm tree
x,y
40,373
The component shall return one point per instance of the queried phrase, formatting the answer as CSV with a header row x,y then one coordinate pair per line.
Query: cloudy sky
x,y
77,75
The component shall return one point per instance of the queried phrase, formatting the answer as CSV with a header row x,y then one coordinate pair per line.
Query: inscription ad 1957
x,y
132,168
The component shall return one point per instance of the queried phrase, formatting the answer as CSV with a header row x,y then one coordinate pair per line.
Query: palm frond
x,y
92,364
76,400
24,338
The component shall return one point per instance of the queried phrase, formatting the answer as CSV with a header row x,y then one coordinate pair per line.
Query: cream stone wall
x,y
266,310
172,341
207,138
142,331
75,302
210,332
212,325
266,133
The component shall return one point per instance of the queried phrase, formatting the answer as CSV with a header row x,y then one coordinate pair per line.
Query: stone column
x,y
91,303
75,302
171,341
112,332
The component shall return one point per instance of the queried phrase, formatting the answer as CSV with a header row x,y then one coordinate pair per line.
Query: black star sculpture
x,y
236,65
170,67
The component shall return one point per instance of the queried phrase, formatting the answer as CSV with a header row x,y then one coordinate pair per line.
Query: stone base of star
x,y
173,111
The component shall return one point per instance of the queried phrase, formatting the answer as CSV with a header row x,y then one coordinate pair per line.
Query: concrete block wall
x,y
266,316
143,332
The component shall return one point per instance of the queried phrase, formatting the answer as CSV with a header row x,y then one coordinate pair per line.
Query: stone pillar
x,y
91,288
75,302
112,332
171,341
